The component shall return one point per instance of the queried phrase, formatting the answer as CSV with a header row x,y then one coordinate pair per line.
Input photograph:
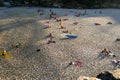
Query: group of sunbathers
x,y
110,53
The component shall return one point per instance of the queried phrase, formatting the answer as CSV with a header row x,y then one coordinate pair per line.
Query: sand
x,y
26,26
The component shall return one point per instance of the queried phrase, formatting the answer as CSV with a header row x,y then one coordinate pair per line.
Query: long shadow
x,y
41,57
101,56
31,58
14,25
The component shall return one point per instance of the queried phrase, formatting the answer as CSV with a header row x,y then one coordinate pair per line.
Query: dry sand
x,y
26,26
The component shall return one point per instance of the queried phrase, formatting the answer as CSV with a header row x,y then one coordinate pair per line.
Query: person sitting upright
x,y
105,51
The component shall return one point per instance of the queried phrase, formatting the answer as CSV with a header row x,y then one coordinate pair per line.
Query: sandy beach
x,y
27,26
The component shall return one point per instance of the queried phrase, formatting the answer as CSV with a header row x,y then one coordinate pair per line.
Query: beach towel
x,y
5,55
78,63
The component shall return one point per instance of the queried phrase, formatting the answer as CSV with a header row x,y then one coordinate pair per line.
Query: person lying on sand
x,y
66,31
109,23
97,24
65,19
117,62
111,54
51,41
47,26
50,35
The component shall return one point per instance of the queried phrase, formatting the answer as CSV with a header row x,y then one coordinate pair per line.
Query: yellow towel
x,y
5,55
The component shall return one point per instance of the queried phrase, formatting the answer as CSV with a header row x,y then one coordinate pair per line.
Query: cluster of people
x,y
104,52
110,53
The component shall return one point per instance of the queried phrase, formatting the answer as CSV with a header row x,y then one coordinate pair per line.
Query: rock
x,y
116,73
87,78
109,75
106,75
38,50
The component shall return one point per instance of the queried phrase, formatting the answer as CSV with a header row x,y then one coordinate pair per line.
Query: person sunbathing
x,y
66,31
65,19
50,35
111,54
105,51
116,61
47,26
97,24
51,41
61,27
58,20
109,23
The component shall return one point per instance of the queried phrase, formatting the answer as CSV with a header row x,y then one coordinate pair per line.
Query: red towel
x,y
78,63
